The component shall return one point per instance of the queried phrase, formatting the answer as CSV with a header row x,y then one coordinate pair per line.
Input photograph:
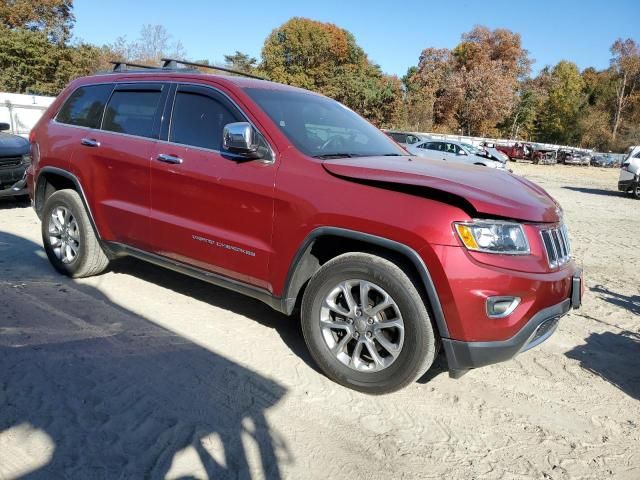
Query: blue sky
x,y
392,33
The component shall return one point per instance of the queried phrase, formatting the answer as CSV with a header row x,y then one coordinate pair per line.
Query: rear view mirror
x,y
4,126
240,138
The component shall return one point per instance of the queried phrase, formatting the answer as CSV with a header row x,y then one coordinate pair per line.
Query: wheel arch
x,y
325,243
52,179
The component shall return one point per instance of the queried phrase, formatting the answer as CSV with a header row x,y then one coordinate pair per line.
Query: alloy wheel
x,y
64,234
362,325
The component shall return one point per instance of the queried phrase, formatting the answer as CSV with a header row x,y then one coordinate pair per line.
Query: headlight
x,y
493,236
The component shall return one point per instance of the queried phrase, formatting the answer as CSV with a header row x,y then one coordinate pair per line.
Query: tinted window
x,y
85,106
132,112
451,148
433,146
398,137
198,120
321,127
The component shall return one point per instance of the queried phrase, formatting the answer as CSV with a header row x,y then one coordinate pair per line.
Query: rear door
x,y
209,209
116,162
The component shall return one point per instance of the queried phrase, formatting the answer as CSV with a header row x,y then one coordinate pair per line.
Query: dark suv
x,y
14,160
291,198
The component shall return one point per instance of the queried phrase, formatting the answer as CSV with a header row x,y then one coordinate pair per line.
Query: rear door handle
x,y
163,157
90,142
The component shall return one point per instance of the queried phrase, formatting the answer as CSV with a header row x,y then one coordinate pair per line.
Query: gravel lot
x,y
144,373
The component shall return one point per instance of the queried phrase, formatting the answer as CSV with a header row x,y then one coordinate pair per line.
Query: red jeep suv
x,y
292,198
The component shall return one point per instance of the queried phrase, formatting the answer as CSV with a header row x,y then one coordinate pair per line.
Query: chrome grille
x,y
10,161
556,244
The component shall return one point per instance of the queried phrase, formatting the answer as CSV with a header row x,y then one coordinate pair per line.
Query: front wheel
x,y
366,324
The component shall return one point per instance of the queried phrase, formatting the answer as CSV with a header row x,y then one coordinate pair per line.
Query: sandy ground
x,y
143,373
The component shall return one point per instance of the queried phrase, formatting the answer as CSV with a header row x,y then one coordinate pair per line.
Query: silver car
x,y
454,152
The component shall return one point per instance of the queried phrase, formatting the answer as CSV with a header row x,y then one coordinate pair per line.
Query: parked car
x,y
404,138
286,196
456,153
604,161
572,157
517,151
629,181
14,160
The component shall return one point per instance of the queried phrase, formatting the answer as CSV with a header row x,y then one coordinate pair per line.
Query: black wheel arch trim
x,y
292,288
69,176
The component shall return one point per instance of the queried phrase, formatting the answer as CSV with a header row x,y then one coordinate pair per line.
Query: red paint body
x,y
269,209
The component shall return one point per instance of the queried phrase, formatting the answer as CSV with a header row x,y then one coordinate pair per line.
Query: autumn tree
x,y
424,86
560,113
325,58
241,62
153,43
626,65
472,88
52,17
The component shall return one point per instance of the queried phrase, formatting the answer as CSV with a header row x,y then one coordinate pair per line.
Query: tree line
x,y
481,87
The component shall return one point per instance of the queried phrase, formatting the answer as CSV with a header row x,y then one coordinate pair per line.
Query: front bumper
x,y
463,356
626,185
13,182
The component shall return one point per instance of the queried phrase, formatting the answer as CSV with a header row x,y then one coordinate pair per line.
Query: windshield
x,y
471,149
321,127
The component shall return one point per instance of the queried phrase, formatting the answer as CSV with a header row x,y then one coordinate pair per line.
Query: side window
x,y
85,106
451,148
132,112
434,146
198,120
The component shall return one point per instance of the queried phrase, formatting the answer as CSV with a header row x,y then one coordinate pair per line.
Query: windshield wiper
x,y
325,156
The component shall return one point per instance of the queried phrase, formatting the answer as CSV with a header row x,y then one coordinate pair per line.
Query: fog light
x,y
500,307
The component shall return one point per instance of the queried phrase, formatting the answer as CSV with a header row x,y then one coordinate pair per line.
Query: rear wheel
x,y
68,237
636,191
366,324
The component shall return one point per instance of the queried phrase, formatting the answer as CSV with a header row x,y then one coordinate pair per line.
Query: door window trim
x,y
166,113
170,104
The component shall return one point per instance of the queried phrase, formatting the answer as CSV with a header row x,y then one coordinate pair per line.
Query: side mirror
x,y
241,139
461,152
4,126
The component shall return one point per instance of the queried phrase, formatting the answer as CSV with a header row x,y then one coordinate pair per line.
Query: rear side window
x,y
198,120
132,112
85,106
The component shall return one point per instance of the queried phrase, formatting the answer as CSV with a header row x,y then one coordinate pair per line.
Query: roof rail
x,y
123,66
172,63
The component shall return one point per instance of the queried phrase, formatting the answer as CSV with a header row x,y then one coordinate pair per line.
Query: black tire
x,y
635,191
419,348
90,258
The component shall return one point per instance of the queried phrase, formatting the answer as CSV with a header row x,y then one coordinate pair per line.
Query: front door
x,y
208,209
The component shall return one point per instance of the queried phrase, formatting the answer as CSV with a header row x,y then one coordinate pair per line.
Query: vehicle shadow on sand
x,y
628,302
596,191
114,394
288,328
614,358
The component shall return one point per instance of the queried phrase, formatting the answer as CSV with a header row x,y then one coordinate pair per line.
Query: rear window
x,y
85,106
132,112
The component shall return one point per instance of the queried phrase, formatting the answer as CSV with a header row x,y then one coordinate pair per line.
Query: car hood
x,y
13,145
490,192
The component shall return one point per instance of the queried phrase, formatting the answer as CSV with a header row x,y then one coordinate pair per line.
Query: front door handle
x,y
163,157
90,142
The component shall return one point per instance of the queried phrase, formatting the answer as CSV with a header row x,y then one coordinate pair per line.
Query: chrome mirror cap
x,y
239,138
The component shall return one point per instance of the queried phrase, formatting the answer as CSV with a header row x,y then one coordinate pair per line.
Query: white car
x,y
629,180
454,152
